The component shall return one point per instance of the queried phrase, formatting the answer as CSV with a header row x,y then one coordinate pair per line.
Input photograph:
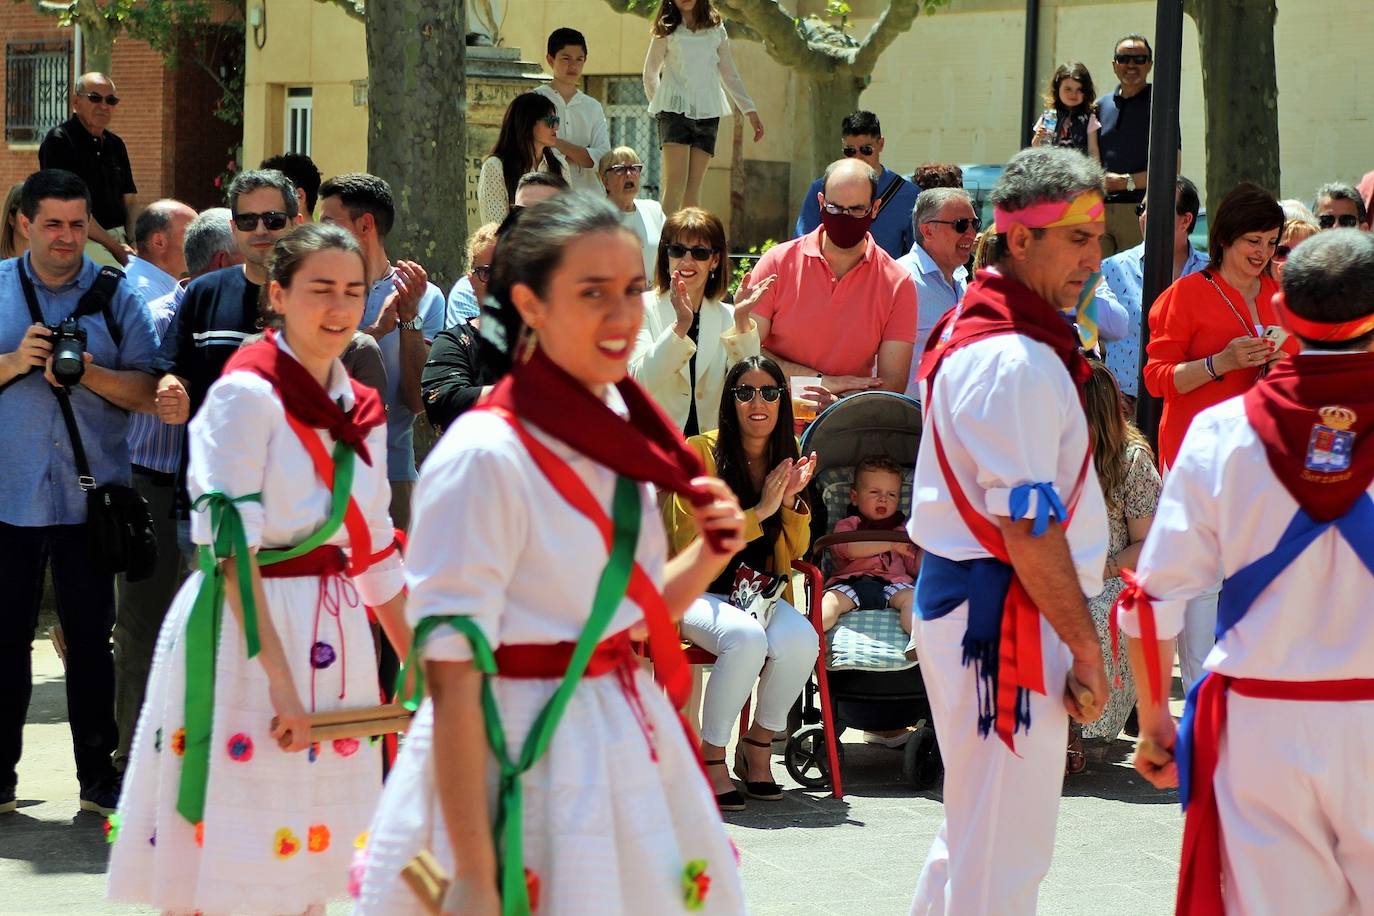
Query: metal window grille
x,y
630,124
300,105
37,88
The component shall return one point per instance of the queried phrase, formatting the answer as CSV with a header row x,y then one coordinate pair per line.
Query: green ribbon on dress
x,y
207,616
508,828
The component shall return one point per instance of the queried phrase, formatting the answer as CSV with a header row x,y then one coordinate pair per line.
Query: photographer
x,y
43,508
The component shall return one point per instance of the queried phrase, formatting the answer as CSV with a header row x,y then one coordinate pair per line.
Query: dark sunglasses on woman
x,y
625,169
698,252
1281,252
1346,220
550,121
850,151
272,221
745,393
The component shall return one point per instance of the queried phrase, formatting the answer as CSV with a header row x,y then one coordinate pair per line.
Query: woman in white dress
x,y
587,777
228,807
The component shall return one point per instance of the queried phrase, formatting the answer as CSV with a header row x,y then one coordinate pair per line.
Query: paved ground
x,y
808,854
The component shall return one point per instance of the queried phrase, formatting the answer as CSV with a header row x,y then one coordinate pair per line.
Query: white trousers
x,y
780,658
995,845
1198,635
1297,807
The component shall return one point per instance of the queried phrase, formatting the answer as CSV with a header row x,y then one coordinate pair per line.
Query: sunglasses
x,y
550,121
850,151
1137,59
272,221
961,225
624,169
481,272
698,252
745,393
1346,220
1281,252
96,98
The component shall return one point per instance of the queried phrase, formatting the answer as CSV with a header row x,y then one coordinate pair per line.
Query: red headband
x,y
1320,330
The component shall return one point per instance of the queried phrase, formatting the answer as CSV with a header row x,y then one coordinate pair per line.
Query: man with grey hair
x,y
945,227
220,310
1340,205
159,234
1277,489
840,309
155,451
1005,637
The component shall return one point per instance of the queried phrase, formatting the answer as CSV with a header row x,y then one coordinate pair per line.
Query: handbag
x,y
118,521
757,593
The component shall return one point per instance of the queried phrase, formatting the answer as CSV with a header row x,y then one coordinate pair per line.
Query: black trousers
x,y
85,607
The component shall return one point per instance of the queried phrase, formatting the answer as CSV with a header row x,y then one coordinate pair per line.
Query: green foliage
x,y
837,11
745,264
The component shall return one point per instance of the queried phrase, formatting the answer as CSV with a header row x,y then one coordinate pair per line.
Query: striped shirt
x,y
217,314
153,444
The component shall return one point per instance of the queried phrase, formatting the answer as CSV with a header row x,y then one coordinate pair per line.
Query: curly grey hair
x,y
930,202
1335,190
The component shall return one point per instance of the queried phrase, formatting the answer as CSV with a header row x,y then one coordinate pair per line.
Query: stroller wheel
x,y
806,759
921,763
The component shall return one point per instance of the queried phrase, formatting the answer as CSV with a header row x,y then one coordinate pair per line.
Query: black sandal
x,y
763,791
726,801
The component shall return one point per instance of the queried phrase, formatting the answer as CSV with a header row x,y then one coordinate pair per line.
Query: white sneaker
x,y
888,741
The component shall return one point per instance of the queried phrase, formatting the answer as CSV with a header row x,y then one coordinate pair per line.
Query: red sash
x,y
1200,873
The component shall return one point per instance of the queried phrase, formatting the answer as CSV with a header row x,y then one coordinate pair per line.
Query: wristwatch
x,y
413,324
1130,182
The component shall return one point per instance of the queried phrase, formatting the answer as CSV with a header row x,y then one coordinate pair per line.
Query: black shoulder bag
x,y
117,517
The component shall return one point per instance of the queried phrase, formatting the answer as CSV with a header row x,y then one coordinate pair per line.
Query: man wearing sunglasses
x,y
861,138
946,227
83,146
1339,206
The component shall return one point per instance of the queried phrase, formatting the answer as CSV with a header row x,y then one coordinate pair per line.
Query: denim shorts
x,y
698,133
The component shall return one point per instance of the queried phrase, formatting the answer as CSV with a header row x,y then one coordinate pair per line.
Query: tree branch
x,y
778,32
356,9
895,20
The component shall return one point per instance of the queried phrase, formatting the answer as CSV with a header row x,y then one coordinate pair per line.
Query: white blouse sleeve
x,y
469,529
493,201
653,64
729,74
228,443
384,579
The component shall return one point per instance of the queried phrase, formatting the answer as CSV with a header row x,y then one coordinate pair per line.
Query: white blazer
x,y
660,360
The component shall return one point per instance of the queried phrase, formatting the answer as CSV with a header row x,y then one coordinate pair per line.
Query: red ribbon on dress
x,y
1134,598
1200,872
359,535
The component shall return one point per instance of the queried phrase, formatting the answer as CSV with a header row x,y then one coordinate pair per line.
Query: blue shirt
x,y
151,281
1123,285
462,303
400,435
153,444
934,296
37,470
891,229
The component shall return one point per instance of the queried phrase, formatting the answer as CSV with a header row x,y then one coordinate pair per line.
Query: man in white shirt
x,y
159,234
945,227
583,136
1273,491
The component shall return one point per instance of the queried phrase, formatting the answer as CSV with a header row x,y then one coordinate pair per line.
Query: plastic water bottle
x,y
1050,120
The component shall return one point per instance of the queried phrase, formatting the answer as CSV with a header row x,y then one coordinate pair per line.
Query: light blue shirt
x,y
462,303
37,470
934,296
1123,285
400,445
151,281
153,444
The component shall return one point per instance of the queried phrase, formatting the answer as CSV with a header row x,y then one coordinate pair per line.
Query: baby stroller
x,y
867,681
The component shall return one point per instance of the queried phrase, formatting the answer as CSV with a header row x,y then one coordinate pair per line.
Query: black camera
x,y
68,351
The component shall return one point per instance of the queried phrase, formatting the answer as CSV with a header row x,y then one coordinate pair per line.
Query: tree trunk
x,y
416,127
1236,44
832,97
97,41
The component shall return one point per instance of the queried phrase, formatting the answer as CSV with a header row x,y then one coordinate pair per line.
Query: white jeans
x,y
781,658
1198,635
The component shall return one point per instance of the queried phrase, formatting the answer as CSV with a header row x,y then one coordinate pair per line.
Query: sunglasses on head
x,y
550,121
481,272
961,225
1345,220
698,252
1137,59
745,393
96,98
272,221
625,169
850,151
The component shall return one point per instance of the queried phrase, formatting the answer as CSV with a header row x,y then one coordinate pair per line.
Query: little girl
x,y
878,573
1070,116
683,77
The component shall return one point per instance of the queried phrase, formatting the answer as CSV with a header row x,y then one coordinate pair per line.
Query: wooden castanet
x,y
361,714
1092,709
427,880
366,729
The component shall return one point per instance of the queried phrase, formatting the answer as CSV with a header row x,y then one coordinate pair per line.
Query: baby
x,y
873,574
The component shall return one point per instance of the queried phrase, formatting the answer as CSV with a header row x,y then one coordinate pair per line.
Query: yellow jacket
x,y
796,524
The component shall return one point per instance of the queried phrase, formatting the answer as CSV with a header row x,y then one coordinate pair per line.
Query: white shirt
x,y
646,221
689,73
491,539
581,120
1008,414
150,280
1223,508
241,444
661,360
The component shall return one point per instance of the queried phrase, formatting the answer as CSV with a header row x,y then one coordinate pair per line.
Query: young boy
x,y
583,137
872,574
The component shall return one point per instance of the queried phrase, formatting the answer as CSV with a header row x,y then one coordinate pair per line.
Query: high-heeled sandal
x,y
726,801
763,791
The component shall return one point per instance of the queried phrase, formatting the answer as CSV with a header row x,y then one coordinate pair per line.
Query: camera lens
x,y
68,345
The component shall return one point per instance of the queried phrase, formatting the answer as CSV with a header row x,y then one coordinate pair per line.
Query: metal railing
x,y
37,88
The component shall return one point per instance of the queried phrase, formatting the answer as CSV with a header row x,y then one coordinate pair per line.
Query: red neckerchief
x,y
645,447
1304,407
306,401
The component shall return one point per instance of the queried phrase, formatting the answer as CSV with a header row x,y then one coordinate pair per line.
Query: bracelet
x,y
1211,370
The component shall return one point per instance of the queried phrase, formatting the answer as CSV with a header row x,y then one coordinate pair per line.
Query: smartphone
x,y
1275,333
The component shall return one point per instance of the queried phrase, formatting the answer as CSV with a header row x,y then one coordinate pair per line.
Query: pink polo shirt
x,y
834,325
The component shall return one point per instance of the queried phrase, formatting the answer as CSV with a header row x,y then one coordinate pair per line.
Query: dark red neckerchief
x,y
645,447
1286,405
306,401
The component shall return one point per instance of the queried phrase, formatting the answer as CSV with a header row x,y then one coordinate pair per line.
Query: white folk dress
x,y
607,830
279,829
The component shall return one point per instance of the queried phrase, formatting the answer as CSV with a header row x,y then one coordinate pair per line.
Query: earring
x,y
528,346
